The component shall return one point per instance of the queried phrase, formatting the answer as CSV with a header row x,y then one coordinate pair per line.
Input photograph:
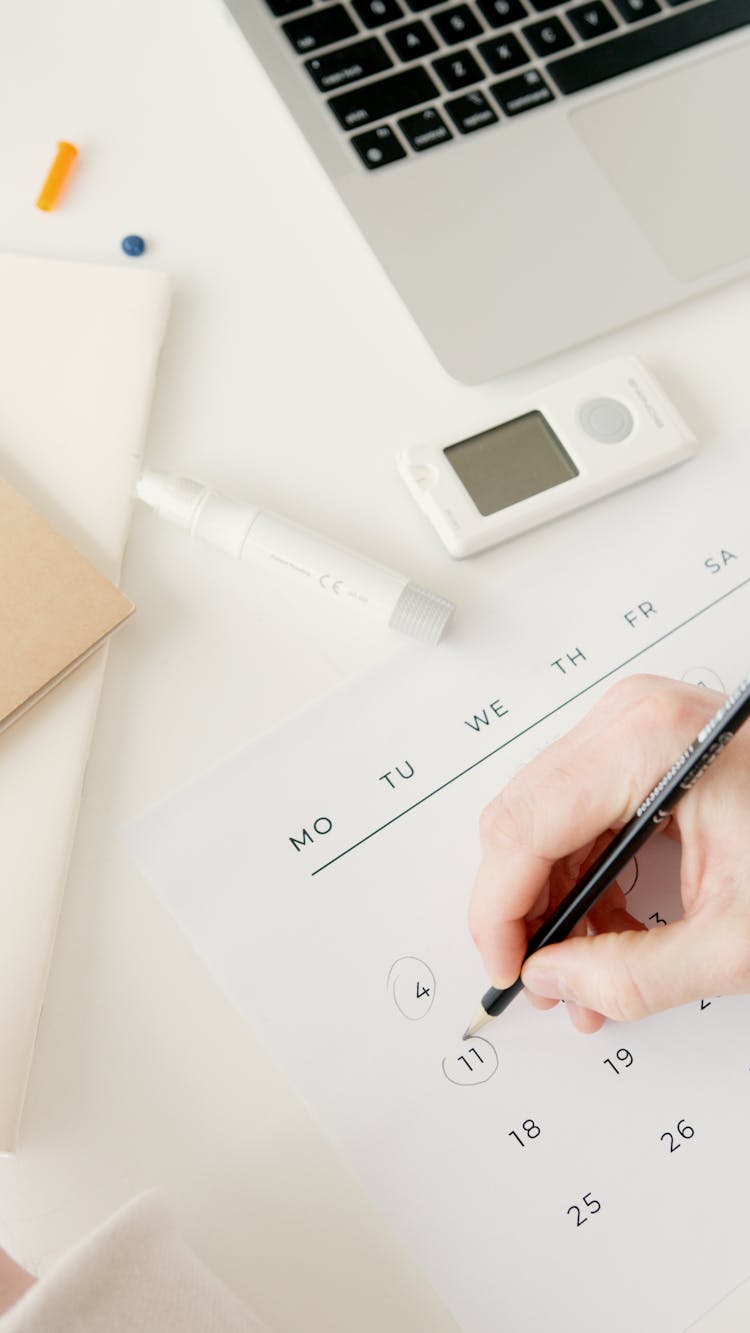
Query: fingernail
x,y
549,984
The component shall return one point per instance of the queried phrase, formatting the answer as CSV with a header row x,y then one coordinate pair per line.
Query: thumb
x,y
638,972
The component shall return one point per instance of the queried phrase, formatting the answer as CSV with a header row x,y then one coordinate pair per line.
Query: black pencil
x,y
652,811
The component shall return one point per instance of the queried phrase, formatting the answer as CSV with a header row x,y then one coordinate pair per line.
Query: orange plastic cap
x,y
57,175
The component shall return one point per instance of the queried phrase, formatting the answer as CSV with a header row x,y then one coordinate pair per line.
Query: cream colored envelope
x,y
79,345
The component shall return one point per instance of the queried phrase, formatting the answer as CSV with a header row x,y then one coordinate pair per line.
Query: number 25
x,y
593,1206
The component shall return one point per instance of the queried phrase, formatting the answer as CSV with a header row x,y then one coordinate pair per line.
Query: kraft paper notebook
x,y
79,345
55,606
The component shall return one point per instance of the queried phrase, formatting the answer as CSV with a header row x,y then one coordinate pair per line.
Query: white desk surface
x,y
291,373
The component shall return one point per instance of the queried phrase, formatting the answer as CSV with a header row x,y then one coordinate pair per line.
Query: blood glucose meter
x,y
573,443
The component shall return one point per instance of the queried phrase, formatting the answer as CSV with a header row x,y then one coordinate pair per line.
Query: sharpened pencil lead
x,y
476,1023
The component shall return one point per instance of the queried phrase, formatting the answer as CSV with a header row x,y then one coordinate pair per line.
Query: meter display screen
x,y
511,462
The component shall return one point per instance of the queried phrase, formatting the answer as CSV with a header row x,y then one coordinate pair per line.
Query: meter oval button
x,y
606,420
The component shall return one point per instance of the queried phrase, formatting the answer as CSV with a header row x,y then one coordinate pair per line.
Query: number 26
x,y
593,1206
684,1131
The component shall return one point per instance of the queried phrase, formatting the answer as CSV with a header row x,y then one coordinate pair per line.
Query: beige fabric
x,y
134,1275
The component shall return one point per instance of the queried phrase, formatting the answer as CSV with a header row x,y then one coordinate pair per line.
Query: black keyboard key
x,y
378,147
283,7
499,13
522,93
543,5
426,129
456,25
549,36
384,97
641,46
591,20
471,112
320,28
458,70
412,41
504,53
419,5
633,10
374,13
348,64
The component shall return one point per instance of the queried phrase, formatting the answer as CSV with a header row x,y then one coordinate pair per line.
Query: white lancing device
x,y
270,542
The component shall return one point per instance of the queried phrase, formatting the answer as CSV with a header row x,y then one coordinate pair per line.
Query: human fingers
x,y
629,975
540,1001
585,1020
561,880
608,914
588,781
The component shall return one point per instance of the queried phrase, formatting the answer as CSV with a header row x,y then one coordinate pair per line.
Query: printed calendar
x,y
542,1179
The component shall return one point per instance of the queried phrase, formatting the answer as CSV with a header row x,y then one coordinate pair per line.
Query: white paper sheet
x,y
545,1180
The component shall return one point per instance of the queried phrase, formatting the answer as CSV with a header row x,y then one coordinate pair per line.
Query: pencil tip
x,y
476,1023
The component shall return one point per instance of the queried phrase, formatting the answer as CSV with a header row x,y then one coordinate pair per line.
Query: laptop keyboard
x,y
404,76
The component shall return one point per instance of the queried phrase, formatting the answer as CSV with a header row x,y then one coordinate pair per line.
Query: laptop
x,y
530,173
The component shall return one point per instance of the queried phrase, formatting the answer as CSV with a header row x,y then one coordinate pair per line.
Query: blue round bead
x,y
133,245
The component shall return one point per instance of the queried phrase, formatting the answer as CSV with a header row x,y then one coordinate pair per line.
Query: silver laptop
x,y
529,173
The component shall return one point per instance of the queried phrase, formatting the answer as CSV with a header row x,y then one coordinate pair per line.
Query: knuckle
x,y
625,693
656,705
682,711
651,713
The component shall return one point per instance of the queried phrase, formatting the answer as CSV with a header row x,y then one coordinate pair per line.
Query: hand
x,y
555,817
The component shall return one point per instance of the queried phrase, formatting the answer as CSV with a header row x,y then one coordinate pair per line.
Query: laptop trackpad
x,y
674,147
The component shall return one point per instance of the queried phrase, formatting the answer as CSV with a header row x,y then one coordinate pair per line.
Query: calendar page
x,y
541,1178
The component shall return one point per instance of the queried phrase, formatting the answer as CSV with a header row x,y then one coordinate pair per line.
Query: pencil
x,y
652,812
